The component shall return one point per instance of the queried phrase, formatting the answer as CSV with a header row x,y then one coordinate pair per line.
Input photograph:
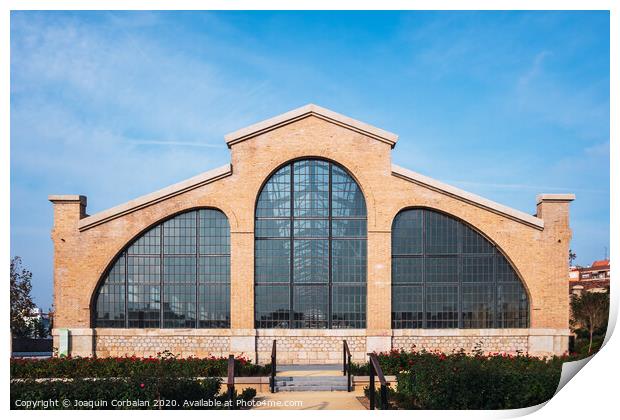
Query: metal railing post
x,y
230,383
371,395
272,378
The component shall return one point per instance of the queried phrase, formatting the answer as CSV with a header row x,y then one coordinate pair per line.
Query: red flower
x,y
141,385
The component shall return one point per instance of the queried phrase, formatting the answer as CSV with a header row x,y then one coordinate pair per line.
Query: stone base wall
x,y
305,346
144,343
486,344
317,347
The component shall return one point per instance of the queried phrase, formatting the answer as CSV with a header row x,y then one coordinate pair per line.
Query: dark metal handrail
x,y
272,378
375,369
230,383
346,363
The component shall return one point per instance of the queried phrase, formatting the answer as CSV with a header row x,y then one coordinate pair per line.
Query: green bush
x,y
165,365
149,393
460,381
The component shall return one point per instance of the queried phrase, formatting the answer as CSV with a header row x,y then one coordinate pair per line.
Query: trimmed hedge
x,y
150,393
165,365
460,381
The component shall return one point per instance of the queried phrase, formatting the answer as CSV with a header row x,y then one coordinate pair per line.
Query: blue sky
x,y
114,105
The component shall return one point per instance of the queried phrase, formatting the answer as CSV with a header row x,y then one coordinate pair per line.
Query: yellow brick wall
x,y
539,256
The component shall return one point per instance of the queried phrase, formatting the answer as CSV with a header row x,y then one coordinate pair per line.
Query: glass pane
x,y
407,270
407,233
311,188
478,269
504,271
214,232
349,228
143,308
347,198
349,261
180,305
311,306
214,269
478,305
273,228
441,235
214,305
349,307
148,243
311,262
143,270
272,261
272,306
180,234
275,197
442,306
407,306
442,269
512,306
311,228
474,243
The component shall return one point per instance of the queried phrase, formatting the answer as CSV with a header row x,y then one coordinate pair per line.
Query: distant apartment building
x,y
594,278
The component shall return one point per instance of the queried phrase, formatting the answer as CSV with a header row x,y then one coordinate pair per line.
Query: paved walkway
x,y
313,400
318,400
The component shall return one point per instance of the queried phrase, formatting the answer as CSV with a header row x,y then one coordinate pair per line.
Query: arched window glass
x,y
310,249
447,275
183,262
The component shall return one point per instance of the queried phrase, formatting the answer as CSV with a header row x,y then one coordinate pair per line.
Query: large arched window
x,y
183,262
447,275
310,249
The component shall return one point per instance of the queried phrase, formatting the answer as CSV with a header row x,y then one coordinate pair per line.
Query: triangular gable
x,y
307,111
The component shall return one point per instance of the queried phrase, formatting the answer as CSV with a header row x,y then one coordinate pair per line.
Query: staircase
x,y
310,378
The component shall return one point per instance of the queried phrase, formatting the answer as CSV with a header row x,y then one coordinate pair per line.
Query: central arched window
x,y
447,275
176,275
310,249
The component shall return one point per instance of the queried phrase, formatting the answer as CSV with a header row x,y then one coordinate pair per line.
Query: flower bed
x,y
149,393
459,381
165,365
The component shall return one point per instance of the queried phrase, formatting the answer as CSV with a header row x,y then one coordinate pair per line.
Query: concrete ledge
x,y
284,332
560,198
163,332
59,198
495,332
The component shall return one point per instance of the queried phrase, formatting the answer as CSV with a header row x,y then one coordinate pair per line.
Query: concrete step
x,y
310,387
312,379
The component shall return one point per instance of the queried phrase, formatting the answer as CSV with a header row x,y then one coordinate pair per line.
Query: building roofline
x,y
304,112
155,197
468,197
558,198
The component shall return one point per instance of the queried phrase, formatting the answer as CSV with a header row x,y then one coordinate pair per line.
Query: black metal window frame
x,y
415,291
164,278
290,319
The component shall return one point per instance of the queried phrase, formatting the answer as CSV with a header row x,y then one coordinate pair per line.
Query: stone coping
x,y
155,197
276,332
487,332
468,197
306,111
225,332
67,198
560,198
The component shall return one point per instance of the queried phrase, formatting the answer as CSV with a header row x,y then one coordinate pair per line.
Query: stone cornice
x,y
155,197
304,112
467,197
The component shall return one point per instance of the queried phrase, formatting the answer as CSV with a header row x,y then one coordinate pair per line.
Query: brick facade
x,y
85,246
